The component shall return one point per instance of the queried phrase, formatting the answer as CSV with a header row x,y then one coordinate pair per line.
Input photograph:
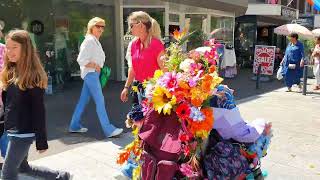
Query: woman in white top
x,y
316,61
91,59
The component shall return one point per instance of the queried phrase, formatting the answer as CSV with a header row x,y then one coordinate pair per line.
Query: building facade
x,y
57,27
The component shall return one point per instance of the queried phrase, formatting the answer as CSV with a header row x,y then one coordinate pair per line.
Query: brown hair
x,y
27,72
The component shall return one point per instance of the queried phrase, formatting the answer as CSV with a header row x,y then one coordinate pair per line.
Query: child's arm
x,y
38,118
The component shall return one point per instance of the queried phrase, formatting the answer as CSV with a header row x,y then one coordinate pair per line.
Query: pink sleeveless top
x,y
144,61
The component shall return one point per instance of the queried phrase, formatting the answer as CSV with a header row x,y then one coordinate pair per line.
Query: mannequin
x,y
25,25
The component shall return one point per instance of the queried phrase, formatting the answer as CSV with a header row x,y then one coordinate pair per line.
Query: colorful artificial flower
x,y
169,81
187,170
197,96
195,68
163,100
181,94
157,74
136,173
183,111
212,56
196,114
212,69
206,84
178,35
202,128
185,65
195,55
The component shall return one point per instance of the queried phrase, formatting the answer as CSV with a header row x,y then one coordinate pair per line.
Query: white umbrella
x,y
287,29
316,32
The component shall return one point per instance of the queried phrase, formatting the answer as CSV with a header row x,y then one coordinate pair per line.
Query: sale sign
x,y
264,56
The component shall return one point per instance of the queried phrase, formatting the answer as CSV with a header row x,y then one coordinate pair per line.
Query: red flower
x,y
183,111
184,138
186,150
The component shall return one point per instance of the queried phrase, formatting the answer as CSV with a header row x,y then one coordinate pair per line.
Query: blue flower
x,y
196,114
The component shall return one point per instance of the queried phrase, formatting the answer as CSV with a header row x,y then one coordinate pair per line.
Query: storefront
x,y
58,27
203,16
256,28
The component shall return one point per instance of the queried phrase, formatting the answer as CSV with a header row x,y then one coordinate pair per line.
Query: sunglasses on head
x,y
99,26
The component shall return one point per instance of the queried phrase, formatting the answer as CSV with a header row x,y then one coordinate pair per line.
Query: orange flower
x,y
123,157
197,96
206,84
202,128
178,35
212,69
183,85
196,102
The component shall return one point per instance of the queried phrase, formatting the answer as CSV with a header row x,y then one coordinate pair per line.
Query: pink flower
x,y
169,81
186,169
212,56
195,55
194,68
193,81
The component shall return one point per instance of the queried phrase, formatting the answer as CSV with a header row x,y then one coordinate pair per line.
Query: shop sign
x,y
305,21
288,12
264,56
37,27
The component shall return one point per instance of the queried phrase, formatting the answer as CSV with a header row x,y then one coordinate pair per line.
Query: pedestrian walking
x,y
24,80
143,53
144,58
91,59
316,62
3,136
293,62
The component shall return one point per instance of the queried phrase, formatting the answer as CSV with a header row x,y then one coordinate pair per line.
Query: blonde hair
x,y
27,72
152,26
93,22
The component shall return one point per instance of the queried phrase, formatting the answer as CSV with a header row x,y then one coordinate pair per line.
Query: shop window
x,y
222,28
174,18
245,34
198,24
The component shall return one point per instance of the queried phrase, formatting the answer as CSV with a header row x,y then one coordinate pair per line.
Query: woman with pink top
x,y
144,52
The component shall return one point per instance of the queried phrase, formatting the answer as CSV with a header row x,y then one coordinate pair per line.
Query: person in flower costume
x,y
179,114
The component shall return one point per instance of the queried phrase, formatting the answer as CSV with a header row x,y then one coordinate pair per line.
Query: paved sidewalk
x,y
294,152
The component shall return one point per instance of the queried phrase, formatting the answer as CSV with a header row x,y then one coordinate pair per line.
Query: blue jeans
x,y
92,87
17,161
4,144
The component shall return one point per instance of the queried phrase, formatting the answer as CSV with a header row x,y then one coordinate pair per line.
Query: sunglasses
x,y
99,26
131,24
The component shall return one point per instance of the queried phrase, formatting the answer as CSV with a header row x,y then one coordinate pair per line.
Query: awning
x,y
239,7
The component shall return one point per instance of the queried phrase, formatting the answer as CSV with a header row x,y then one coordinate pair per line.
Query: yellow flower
x,y
134,88
198,96
157,74
136,173
163,100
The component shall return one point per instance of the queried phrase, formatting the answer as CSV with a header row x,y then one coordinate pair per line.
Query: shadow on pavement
x,y
245,88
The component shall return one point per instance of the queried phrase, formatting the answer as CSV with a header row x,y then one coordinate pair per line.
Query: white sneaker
x,y
116,132
81,130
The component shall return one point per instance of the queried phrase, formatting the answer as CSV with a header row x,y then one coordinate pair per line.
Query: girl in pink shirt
x,y
144,51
